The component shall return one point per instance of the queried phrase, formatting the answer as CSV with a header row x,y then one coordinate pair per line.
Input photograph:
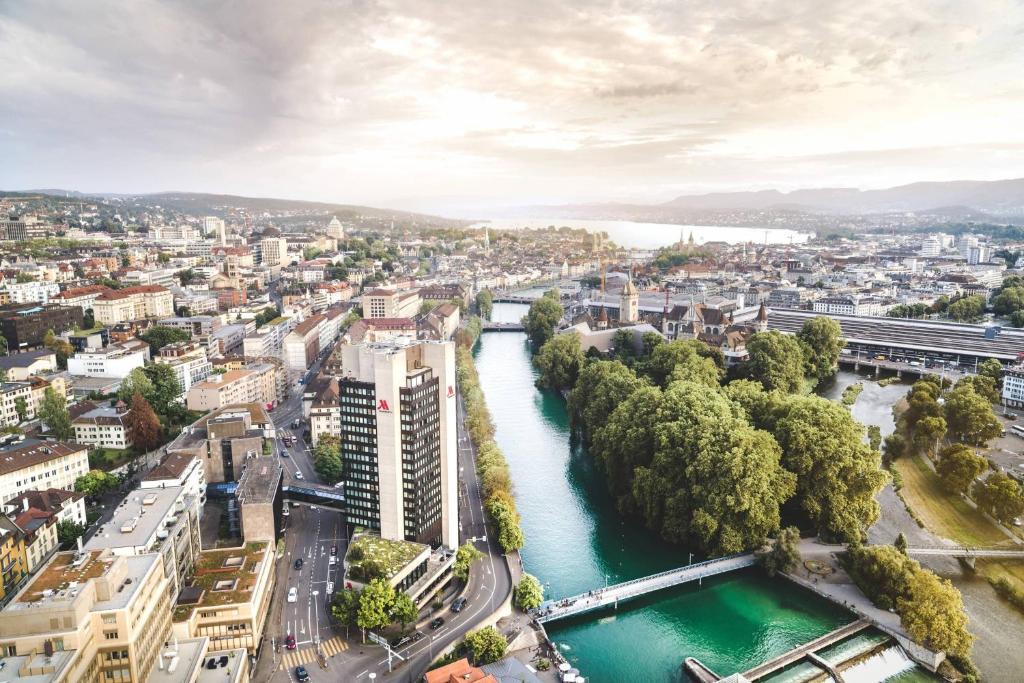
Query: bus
x,y
1018,430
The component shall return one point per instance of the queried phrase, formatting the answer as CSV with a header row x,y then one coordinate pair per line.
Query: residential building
x,y
179,469
1013,386
214,226
116,360
302,345
39,529
133,303
188,360
274,251
13,559
67,505
104,427
25,325
268,340
89,617
33,291
155,520
387,303
441,323
255,384
228,601
176,233
459,671
162,277
394,409
21,366
31,465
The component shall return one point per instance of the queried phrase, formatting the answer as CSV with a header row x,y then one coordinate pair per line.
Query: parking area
x,y
1008,451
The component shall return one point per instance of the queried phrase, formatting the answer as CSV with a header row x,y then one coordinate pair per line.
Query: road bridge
x,y
314,494
901,368
600,598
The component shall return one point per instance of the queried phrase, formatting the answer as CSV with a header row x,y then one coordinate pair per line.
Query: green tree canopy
x,y
967,308
403,610
327,459
160,336
54,412
375,605
528,593
600,387
990,367
345,607
958,466
838,476
932,611
969,416
1000,496
776,361
785,553
486,645
465,556
983,385
821,340
485,303
136,382
627,442
95,483
68,532
559,361
686,359
542,318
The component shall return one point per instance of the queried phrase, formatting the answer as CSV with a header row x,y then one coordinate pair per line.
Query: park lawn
x,y
1009,569
110,458
946,515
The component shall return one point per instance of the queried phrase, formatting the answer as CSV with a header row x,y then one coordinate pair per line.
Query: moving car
x,y
334,550
298,563
289,641
301,674
293,594
458,604
436,623
298,475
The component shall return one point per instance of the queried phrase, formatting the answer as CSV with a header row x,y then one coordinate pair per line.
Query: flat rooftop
x,y
222,666
222,577
137,519
186,657
60,580
260,480
55,665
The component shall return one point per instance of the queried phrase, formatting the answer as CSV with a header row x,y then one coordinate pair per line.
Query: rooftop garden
x,y
225,577
59,574
371,557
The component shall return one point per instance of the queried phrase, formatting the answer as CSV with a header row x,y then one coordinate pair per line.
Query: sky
x,y
462,107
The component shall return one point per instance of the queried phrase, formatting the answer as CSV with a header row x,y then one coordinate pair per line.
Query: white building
x,y
1013,387
103,427
213,226
30,292
33,465
848,305
274,251
387,303
179,469
930,246
112,361
189,362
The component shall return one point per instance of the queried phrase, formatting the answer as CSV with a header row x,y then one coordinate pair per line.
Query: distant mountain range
x,y
966,199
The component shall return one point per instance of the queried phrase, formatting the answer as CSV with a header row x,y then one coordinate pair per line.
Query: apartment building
x,y
21,366
83,297
257,383
155,520
116,360
13,560
394,410
1013,386
104,427
133,303
19,401
66,505
34,291
302,345
31,465
274,251
228,600
328,294
189,362
268,340
179,469
89,617
388,303
39,528
161,277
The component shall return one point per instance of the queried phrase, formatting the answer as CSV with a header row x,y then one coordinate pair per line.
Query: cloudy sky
x,y
455,106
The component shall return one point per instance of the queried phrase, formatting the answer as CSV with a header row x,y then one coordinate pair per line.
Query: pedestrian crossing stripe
x,y
305,655
333,646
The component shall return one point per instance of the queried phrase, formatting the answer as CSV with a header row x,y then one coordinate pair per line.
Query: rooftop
x,y
260,480
390,556
138,519
36,668
223,577
60,573
222,666
31,452
186,656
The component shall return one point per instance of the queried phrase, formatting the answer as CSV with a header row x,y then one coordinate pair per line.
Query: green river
x,y
575,541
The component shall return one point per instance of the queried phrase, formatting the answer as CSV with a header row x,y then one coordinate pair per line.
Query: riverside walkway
x,y
600,598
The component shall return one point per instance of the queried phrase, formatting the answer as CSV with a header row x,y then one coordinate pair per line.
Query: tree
x,y
685,359
67,533
510,535
967,308
403,610
160,336
785,553
136,382
901,543
970,417
3,346
713,480
933,614
465,556
485,303
21,408
54,412
999,496
544,315
528,593
627,442
983,386
61,348
142,424
776,361
821,340
928,432
88,319
599,388
838,475
559,361
486,645
327,459
992,368
375,605
164,387
958,466
345,607
95,483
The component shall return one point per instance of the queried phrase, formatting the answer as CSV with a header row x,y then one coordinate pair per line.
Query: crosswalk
x,y
306,654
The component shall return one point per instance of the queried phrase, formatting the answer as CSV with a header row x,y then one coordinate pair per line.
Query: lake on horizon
x,y
632,234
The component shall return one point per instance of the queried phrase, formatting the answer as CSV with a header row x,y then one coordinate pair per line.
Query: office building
x,y
33,291
274,251
388,303
213,226
25,325
116,360
222,441
394,409
302,345
256,383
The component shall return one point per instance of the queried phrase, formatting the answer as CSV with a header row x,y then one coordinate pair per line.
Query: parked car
x,y
301,674
293,594
289,641
334,550
459,604
436,623
298,563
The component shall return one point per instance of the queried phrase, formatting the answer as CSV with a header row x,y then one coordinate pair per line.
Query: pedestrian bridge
x,y
948,551
315,494
502,327
600,598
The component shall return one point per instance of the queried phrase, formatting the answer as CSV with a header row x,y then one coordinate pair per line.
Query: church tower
x,y
629,306
761,321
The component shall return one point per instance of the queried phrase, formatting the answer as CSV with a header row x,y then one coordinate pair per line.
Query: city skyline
x,y
460,109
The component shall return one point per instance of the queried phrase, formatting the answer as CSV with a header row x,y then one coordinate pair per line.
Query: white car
x,y
298,475
293,594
